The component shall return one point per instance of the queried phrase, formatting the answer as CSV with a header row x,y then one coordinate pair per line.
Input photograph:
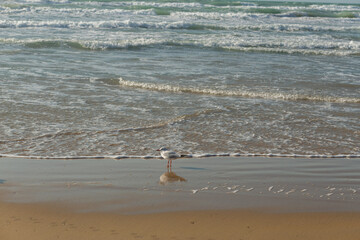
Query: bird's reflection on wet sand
x,y
169,177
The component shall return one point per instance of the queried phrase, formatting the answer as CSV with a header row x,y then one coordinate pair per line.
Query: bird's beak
x,y
157,149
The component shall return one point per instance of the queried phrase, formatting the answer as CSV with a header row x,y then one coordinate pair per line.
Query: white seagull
x,y
168,155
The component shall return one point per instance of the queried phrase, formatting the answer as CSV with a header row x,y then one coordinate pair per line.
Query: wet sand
x,y
133,186
209,198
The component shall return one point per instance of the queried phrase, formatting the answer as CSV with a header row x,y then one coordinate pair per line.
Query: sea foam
x,y
234,93
119,24
301,45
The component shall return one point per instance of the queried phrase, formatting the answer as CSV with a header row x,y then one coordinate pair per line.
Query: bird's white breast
x,y
169,155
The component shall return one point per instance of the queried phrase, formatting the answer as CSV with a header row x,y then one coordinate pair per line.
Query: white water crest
x,y
234,93
118,24
295,45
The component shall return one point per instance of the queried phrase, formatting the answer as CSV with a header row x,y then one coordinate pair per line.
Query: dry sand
x,y
47,222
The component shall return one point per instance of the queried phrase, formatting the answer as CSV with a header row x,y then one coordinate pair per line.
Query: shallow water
x,y
126,77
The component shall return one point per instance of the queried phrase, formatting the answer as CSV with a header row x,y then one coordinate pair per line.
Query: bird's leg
x,y
168,164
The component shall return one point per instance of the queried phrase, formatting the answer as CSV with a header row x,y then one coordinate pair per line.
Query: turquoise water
x,y
126,77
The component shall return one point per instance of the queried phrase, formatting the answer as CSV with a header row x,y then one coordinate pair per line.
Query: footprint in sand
x,y
155,237
94,229
136,236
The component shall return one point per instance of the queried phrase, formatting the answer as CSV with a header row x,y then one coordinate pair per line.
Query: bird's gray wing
x,y
170,154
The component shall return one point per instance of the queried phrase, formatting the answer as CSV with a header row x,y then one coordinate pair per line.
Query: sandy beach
x,y
261,99
205,198
42,221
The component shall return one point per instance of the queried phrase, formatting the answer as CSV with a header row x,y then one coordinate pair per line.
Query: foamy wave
x,y
288,46
79,12
169,25
188,5
320,50
263,14
244,10
101,24
205,155
216,15
321,14
86,44
124,44
234,93
296,28
46,1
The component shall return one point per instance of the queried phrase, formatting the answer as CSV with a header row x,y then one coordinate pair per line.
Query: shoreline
x,y
205,155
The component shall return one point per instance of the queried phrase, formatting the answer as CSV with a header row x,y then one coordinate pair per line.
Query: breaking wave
x,y
293,46
167,8
113,24
106,25
234,93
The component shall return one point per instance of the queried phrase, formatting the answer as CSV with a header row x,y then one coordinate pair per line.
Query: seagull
x,y
168,155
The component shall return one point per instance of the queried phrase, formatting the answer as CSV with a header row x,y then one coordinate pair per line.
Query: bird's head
x,y
162,149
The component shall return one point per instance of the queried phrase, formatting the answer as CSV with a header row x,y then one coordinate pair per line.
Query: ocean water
x,y
123,78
